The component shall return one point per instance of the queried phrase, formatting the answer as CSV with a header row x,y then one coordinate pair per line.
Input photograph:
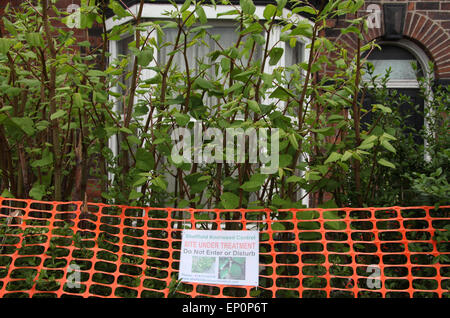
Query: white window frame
x,y
157,11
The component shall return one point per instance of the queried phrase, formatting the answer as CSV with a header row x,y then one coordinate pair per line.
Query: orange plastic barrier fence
x,y
121,251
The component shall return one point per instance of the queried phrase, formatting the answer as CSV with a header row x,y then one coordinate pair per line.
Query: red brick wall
x,y
427,23
62,5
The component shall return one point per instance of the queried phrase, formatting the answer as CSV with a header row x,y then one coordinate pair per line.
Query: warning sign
x,y
220,257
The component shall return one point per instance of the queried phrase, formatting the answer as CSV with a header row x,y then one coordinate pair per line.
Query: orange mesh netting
x,y
126,251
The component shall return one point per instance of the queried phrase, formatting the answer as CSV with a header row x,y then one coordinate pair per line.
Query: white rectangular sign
x,y
220,257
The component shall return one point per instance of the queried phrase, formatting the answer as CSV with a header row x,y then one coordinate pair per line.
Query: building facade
x,y
407,31
424,23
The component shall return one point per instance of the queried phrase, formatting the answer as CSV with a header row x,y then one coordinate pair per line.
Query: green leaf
x,y
253,105
277,226
347,154
386,163
365,146
9,26
368,142
335,225
384,109
181,119
280,93
42,125
84,43
201,28
293,140
281,4
57,114
170,25
5,44
205,84
388,136
340,63
47,159
350,29
255,183
234,87
5,109
77,100
269,11
312,175
95,73
201,15
25,124
292,179
34,39
255,28
107,196
303,28
7,194
334,156
140,182
388,146
160,183
324,130
126,130
38,191
285,160
229,200
230,12
13,91
145,56
144,160
87,20
204,178
247,6
275,55
185,5
230,184
134,195
118,10
183,204
306,9
154,80
243,76
188,18
323,169
335,117
250,186
100,97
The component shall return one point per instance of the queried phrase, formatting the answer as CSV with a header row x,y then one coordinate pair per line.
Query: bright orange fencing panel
x,y
121,251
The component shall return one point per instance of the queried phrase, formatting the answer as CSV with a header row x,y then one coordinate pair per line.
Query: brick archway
x,y
429,35
432,38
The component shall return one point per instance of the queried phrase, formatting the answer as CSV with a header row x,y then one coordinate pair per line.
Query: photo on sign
x,y
232,268
202,264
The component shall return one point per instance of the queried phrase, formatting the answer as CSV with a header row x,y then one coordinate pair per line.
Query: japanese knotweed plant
x,y
61,105
242,86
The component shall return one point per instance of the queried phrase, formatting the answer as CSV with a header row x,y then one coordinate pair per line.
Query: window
x,y
224,27
399,57
226,35
122,49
